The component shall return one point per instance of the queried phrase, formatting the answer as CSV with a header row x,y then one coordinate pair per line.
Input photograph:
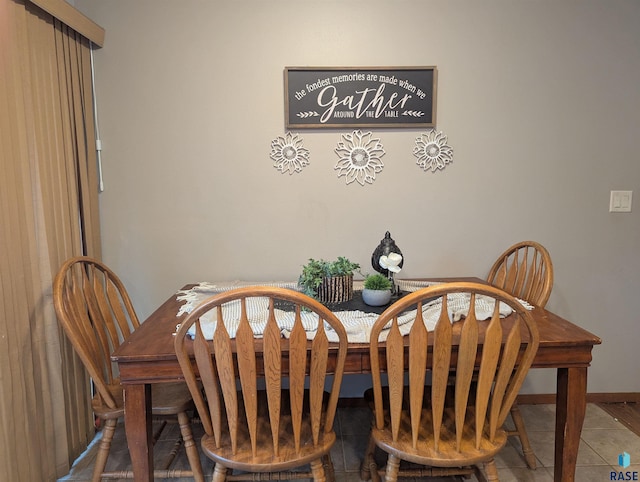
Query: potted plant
x,y
377,290
328,281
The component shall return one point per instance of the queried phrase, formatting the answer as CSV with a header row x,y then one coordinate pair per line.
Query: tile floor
x,y
603,438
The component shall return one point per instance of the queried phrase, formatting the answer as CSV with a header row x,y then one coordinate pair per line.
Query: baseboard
x,y
615,397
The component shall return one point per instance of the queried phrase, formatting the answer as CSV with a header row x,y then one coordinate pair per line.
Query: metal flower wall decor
x,y
288,154
359,157
432,151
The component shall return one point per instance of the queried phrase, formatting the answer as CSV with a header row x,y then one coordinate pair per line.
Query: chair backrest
x,y
525,271
499,351
268,355
97,315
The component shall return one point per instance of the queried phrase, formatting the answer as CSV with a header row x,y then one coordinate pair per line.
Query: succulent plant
x,y
377,282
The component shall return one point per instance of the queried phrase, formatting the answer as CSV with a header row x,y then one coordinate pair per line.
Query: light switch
x,y
620,201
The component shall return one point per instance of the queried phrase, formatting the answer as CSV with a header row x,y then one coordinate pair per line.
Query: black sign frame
x,y
340,97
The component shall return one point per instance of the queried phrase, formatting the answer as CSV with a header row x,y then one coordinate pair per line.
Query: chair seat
x,y
428,454
447,455
168,399
171,398
265,460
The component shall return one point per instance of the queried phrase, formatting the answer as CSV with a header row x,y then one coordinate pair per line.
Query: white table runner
x,y
357,323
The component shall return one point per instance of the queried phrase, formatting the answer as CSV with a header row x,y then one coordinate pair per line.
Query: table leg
x,y
137,423
571,405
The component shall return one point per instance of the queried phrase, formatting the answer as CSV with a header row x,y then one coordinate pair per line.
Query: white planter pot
x,y
376,297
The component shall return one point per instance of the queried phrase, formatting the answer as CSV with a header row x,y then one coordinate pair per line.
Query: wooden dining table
x,y
148,357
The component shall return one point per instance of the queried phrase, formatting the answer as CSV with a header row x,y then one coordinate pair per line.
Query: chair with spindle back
x,y
282,425
525,271
442,424
97,316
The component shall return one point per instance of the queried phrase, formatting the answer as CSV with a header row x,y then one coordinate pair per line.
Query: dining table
x,y
148,357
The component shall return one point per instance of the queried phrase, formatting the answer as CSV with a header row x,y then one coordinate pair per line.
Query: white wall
x,y
539,100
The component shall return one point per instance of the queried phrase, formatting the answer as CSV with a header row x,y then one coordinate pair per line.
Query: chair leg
x,y
219,473
527,451
329,470
393,467
190,447
103,449
317,469
368,467
491,471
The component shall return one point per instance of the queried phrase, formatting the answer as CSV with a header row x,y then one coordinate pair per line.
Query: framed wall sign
x,y
334,97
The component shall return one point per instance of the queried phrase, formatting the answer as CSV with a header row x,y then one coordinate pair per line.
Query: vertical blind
x,y
49,212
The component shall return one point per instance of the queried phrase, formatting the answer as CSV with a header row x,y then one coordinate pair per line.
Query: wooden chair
x,y
97,315
525,271
447,426
282,426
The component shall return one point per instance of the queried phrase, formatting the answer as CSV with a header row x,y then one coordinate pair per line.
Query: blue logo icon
x,y
624,460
